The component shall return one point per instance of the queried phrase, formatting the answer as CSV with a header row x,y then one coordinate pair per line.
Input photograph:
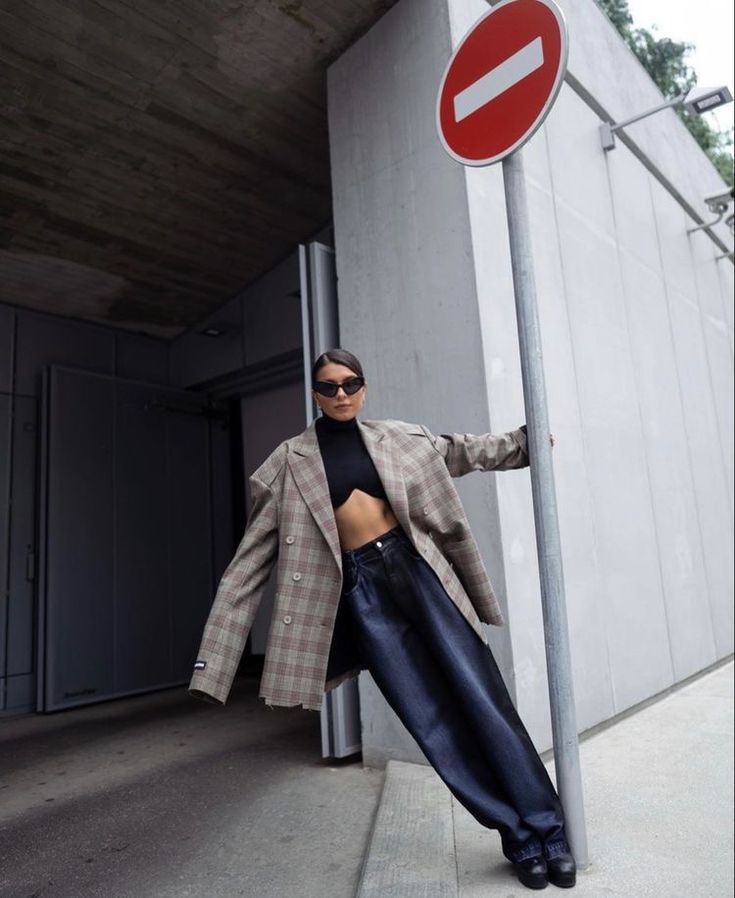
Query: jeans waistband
x,y
375,545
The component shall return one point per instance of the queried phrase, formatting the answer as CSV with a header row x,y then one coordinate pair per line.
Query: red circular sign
x,y
502,80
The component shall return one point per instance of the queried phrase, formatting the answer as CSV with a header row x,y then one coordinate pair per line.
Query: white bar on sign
x,y
498,80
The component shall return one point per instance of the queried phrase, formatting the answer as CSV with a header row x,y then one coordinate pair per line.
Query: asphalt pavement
x,y
164,796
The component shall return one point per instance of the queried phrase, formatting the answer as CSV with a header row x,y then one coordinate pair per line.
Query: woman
x,y
378,570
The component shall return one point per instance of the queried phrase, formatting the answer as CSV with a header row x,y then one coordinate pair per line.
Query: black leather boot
x,y
532,872
562,870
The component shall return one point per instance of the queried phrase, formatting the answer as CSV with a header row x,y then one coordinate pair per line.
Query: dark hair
x,y
339,357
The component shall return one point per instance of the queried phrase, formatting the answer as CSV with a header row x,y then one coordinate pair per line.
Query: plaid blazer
x,y
292,524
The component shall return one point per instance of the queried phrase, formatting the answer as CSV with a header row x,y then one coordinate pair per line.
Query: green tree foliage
x,y
665,62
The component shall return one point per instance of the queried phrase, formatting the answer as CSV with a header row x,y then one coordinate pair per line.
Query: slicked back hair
x,y
339,357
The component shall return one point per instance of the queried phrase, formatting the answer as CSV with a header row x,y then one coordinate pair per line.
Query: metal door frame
x,y
340,714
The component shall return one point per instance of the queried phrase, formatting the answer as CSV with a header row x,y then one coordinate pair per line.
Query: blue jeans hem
x,y
534,848
555,848
530,849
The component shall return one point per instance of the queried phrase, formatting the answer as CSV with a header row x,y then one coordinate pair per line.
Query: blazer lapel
x,y
308,470
380,449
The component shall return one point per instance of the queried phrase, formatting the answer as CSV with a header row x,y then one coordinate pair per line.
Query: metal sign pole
x,y
548,543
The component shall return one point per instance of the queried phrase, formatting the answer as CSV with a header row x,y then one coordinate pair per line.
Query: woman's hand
x,y
552,438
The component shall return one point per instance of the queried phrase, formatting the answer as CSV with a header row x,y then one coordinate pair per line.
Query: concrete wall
x,y
617,86
407,295
637,328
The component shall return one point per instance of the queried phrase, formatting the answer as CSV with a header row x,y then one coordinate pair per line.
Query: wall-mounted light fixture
x,y
704,99
698,100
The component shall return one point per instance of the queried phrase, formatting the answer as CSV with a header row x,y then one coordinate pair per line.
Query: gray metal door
x,y
126,537
18,426
340,714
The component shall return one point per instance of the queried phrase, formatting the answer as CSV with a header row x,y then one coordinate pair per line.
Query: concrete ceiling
x,y
156,156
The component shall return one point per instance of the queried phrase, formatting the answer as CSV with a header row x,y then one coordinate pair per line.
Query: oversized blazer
x,y
292,524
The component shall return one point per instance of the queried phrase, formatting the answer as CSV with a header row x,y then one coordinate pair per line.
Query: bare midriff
x,y
361,518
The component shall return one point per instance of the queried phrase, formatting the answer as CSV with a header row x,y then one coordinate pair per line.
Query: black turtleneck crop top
x,y
347,463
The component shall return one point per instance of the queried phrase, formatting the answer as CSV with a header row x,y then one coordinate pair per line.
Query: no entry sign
x,y
502,80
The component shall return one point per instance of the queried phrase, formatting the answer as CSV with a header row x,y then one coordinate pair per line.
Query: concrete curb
x,y
411,851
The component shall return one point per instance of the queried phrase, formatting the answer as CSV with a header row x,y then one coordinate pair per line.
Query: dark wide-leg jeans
x,y
397,621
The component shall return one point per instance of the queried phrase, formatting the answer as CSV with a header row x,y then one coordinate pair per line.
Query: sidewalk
x,y
658,789
162,796
658,798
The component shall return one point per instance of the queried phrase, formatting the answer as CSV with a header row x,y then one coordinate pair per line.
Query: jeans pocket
x,y
351,579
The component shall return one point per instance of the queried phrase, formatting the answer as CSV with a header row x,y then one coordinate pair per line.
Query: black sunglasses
x,y
350,386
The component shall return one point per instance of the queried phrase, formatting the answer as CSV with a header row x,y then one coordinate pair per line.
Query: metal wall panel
x,y
196,357
190,533
221,485
7,328
46,340
22,554
21,539
142,650
271,317
128,568
29,342
5,421
141,358
7,337
80,548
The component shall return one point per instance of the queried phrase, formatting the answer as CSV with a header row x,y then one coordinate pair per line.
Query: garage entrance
x,y
142,499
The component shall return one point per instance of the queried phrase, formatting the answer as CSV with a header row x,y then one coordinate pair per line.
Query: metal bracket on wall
x,y
708,224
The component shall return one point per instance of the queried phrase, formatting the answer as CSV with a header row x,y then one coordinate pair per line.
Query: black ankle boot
x,y
562,870
531,872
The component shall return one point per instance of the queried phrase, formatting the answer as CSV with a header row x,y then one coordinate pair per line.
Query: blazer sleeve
x,y
465,452
238,597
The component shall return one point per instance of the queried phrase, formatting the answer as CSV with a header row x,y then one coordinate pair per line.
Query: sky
x,y
709,25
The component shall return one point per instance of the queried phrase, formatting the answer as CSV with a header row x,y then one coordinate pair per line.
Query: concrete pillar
x,y
408,295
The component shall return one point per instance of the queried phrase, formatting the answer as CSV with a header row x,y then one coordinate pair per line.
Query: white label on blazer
x,y
200,665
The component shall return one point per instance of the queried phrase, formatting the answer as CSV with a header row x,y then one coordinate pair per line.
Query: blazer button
x,y
289,540
426,510
297,576
287,619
